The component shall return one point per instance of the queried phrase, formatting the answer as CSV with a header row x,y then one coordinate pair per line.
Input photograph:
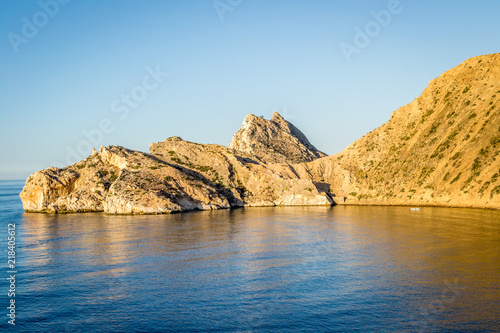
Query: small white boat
x,y
417,208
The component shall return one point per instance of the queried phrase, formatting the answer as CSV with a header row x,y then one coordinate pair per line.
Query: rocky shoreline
x,y
442,149
176,176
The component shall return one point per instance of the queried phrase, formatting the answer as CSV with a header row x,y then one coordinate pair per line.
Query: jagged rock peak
x,y
273,141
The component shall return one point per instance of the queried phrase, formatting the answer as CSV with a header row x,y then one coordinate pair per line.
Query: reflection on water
x,y
340,269
262,269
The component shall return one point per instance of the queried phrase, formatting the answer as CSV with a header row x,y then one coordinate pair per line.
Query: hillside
x,y
441,149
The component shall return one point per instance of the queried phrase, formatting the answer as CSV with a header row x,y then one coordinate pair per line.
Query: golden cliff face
x,y
177,176
250,183
441,149
120,181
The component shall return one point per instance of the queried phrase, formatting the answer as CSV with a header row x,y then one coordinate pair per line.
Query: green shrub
x,y
427,114
484,187
203,168
456,178
476,165
177,160
445,178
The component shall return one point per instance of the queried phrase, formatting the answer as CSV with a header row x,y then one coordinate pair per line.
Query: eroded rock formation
x,y
441,149
177,176
273,141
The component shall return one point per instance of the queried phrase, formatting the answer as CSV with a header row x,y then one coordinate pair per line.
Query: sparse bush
x,y
427,114
484,187
447,96
203,168
456,178
495,140
494,178
476,165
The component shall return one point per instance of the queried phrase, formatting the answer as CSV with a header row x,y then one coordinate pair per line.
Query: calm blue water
x,y
310,269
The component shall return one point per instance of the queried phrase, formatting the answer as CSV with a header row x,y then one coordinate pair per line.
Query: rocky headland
x,y
179,175
442,149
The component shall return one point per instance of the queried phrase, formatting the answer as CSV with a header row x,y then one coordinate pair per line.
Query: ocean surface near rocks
x,y
287,269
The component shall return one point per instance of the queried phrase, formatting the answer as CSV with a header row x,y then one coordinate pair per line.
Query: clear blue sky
x,y
251,56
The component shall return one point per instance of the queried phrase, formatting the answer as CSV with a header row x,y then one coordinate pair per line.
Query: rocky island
x,y
442,149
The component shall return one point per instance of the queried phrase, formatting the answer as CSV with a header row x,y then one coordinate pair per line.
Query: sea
x,y
277,269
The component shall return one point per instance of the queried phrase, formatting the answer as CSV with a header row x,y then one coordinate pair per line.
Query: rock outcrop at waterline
x,y
176,176
443,149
